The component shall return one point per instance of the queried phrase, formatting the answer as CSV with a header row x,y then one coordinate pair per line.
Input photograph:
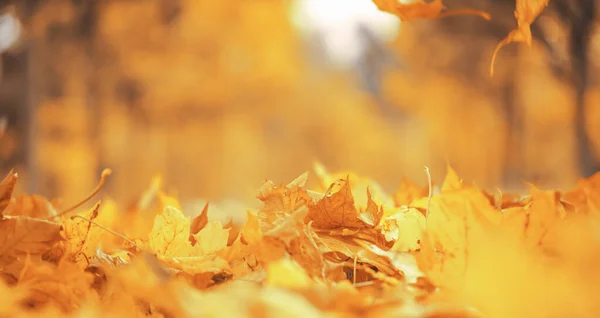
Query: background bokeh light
x,y
216,96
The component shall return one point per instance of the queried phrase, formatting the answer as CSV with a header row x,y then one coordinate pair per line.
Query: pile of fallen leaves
x,y
346,249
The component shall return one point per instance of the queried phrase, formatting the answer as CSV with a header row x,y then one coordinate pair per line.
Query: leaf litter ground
x,y
346,249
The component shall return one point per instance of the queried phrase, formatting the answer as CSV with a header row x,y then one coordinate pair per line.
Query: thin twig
x,y
103,176
108,230
429,195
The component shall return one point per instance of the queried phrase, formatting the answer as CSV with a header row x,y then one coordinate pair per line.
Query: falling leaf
x,y
526,12
420,9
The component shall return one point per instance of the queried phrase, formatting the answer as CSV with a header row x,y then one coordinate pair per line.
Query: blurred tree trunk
x,y
61,102
581,18
513,115
512,69
14,89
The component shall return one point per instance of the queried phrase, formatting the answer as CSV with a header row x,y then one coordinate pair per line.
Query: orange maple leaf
x,y
526,12
337,209
420,9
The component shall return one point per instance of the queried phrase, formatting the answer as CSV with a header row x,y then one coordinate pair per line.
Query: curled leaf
x,y
526,12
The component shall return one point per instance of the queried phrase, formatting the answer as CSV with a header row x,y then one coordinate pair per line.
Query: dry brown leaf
x,y
82,238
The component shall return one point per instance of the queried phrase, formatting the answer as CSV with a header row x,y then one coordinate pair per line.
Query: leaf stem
x,y
103,176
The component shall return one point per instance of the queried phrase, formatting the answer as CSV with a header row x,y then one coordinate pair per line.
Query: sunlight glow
x,y
337,22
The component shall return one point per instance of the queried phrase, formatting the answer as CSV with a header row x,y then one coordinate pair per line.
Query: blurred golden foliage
x,y
345,250
218,98
217,95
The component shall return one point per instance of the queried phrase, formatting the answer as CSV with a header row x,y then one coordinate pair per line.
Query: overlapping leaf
x,y
309,253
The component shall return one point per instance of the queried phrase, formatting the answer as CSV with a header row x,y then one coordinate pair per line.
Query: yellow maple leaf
x,y
405,228
169,240
537,221
281,201
358,184
408,192
455,220
211,239
288,274
82,237
452,181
